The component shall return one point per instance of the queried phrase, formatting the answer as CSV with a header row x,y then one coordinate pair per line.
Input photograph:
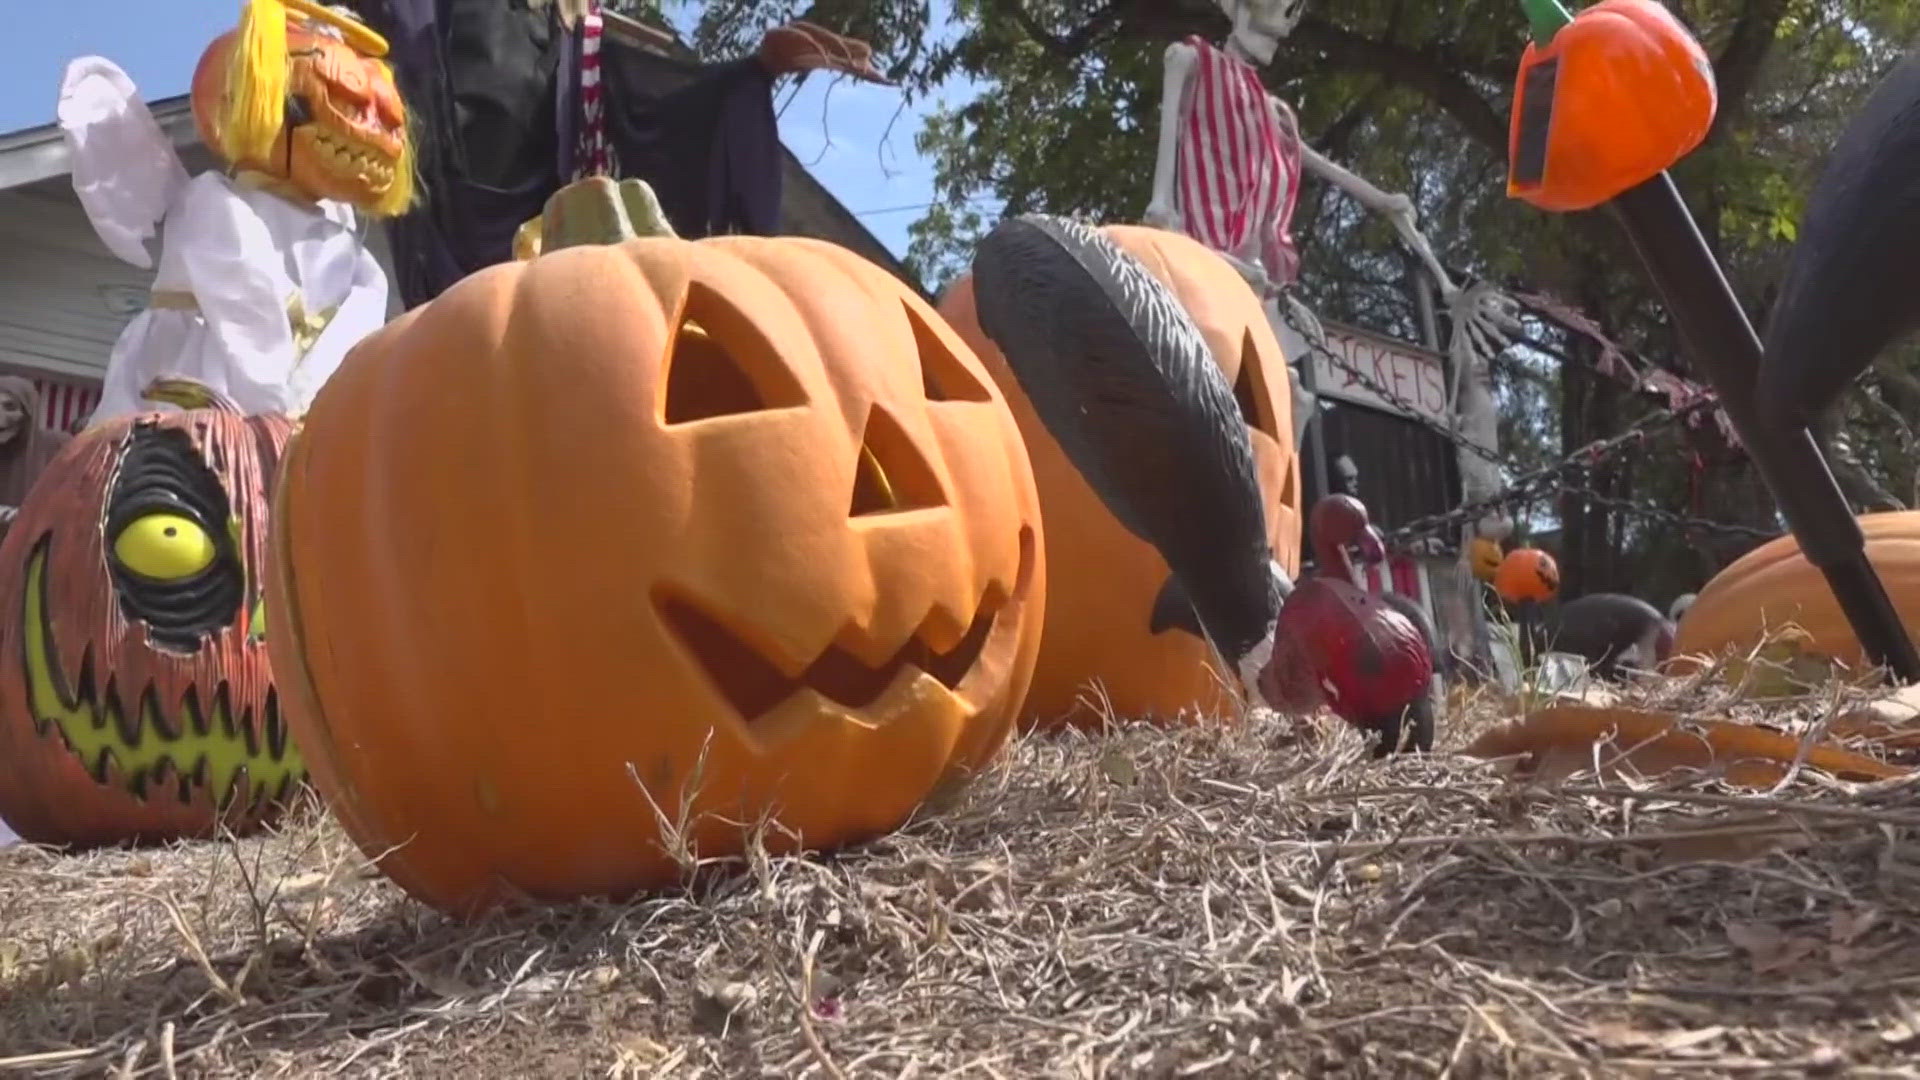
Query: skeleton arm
x,y
1162,212
1484,321
1395,207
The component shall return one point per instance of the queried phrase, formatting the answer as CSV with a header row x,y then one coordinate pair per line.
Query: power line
x,y
903,207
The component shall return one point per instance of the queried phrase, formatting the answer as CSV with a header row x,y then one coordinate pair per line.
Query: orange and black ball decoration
x,y
1527,575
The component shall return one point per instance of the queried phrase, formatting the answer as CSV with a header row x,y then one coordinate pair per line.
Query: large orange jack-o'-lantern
x,y
1112,615
298,93
655,535
136,701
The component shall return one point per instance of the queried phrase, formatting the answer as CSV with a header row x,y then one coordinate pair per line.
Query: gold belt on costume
x,y
306,328
173,300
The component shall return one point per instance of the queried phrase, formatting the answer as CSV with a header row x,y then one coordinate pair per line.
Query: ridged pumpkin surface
x,y
136,699
703,531
1773,585
1102,579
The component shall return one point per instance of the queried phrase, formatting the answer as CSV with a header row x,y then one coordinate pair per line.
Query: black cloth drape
x,y
493,86
710,149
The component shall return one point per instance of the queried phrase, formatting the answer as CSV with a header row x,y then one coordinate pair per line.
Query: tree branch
x,y
1900,391
1433,71
1414,69
1738,66
1070,46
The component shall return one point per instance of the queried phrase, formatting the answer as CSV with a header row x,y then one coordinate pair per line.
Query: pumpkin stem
x,y
596,210
188,393
1545,17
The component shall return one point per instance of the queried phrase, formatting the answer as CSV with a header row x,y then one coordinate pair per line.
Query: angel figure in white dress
x,y
264,280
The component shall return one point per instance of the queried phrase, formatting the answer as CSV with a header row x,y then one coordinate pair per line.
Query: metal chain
x,y
1685,522
1554,479
1526,488
1550,480
1319,347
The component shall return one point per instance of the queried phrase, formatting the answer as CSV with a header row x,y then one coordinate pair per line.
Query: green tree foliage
x,y
1415,96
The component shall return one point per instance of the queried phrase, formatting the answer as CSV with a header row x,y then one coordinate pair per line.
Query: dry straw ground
x,y
1144,903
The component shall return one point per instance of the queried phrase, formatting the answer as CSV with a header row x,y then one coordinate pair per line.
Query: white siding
x,y
56,284
63,297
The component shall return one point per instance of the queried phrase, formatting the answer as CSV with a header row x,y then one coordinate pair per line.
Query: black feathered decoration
x,y
1121,377
1853,284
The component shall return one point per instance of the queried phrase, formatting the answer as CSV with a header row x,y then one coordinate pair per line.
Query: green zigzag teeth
x,y
221,752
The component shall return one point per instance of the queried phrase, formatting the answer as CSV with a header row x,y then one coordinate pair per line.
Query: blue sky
x,y
840,129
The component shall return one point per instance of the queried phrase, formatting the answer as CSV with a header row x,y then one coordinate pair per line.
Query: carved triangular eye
x,y
942,375
891,476
1250,390
1289,482
719,364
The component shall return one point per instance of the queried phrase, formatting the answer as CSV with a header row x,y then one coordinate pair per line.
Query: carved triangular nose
x,y
891,475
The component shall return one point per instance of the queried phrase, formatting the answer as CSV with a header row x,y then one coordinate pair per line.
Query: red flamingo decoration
x,y
1356,651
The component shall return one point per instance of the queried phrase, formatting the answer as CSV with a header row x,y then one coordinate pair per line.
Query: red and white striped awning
x,y
64,404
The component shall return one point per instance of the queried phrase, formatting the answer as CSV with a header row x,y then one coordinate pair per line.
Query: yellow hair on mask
x,y
398,198
254,107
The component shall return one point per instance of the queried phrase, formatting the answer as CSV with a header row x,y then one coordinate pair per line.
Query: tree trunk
x,y
1576,385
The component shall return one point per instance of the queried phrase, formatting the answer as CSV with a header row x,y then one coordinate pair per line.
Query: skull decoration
x,y
758,540
1260,25
299,93
135,697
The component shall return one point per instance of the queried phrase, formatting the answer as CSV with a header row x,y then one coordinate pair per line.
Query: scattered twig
x,y
1258,898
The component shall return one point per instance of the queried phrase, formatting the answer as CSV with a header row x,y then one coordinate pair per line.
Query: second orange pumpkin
x,y
1101,648
1774,587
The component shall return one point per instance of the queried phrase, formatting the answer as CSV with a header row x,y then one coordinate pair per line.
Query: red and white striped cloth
x,y
1238,164
593,156
1399,573
63,405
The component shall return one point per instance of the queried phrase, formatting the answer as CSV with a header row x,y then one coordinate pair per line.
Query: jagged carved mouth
x,y
755,684
349,156
203,746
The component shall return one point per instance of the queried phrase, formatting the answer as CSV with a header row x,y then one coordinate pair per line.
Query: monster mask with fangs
x,y
263,280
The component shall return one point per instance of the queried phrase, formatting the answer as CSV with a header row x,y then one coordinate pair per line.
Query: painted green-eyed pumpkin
x,y
136,698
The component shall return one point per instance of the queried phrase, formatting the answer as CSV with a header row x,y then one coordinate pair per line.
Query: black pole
x,y
1715,332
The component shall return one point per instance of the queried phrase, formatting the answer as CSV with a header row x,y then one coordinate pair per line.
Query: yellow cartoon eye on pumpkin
x,y
164,547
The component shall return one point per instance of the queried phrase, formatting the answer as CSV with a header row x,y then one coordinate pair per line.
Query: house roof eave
x,y
40,153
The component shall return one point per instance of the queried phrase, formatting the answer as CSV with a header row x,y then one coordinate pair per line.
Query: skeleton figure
x,y
1483,320
1194,106
1229,156
262,281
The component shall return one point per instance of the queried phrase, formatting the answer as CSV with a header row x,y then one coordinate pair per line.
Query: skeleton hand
x,y
1256,276
1483,318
